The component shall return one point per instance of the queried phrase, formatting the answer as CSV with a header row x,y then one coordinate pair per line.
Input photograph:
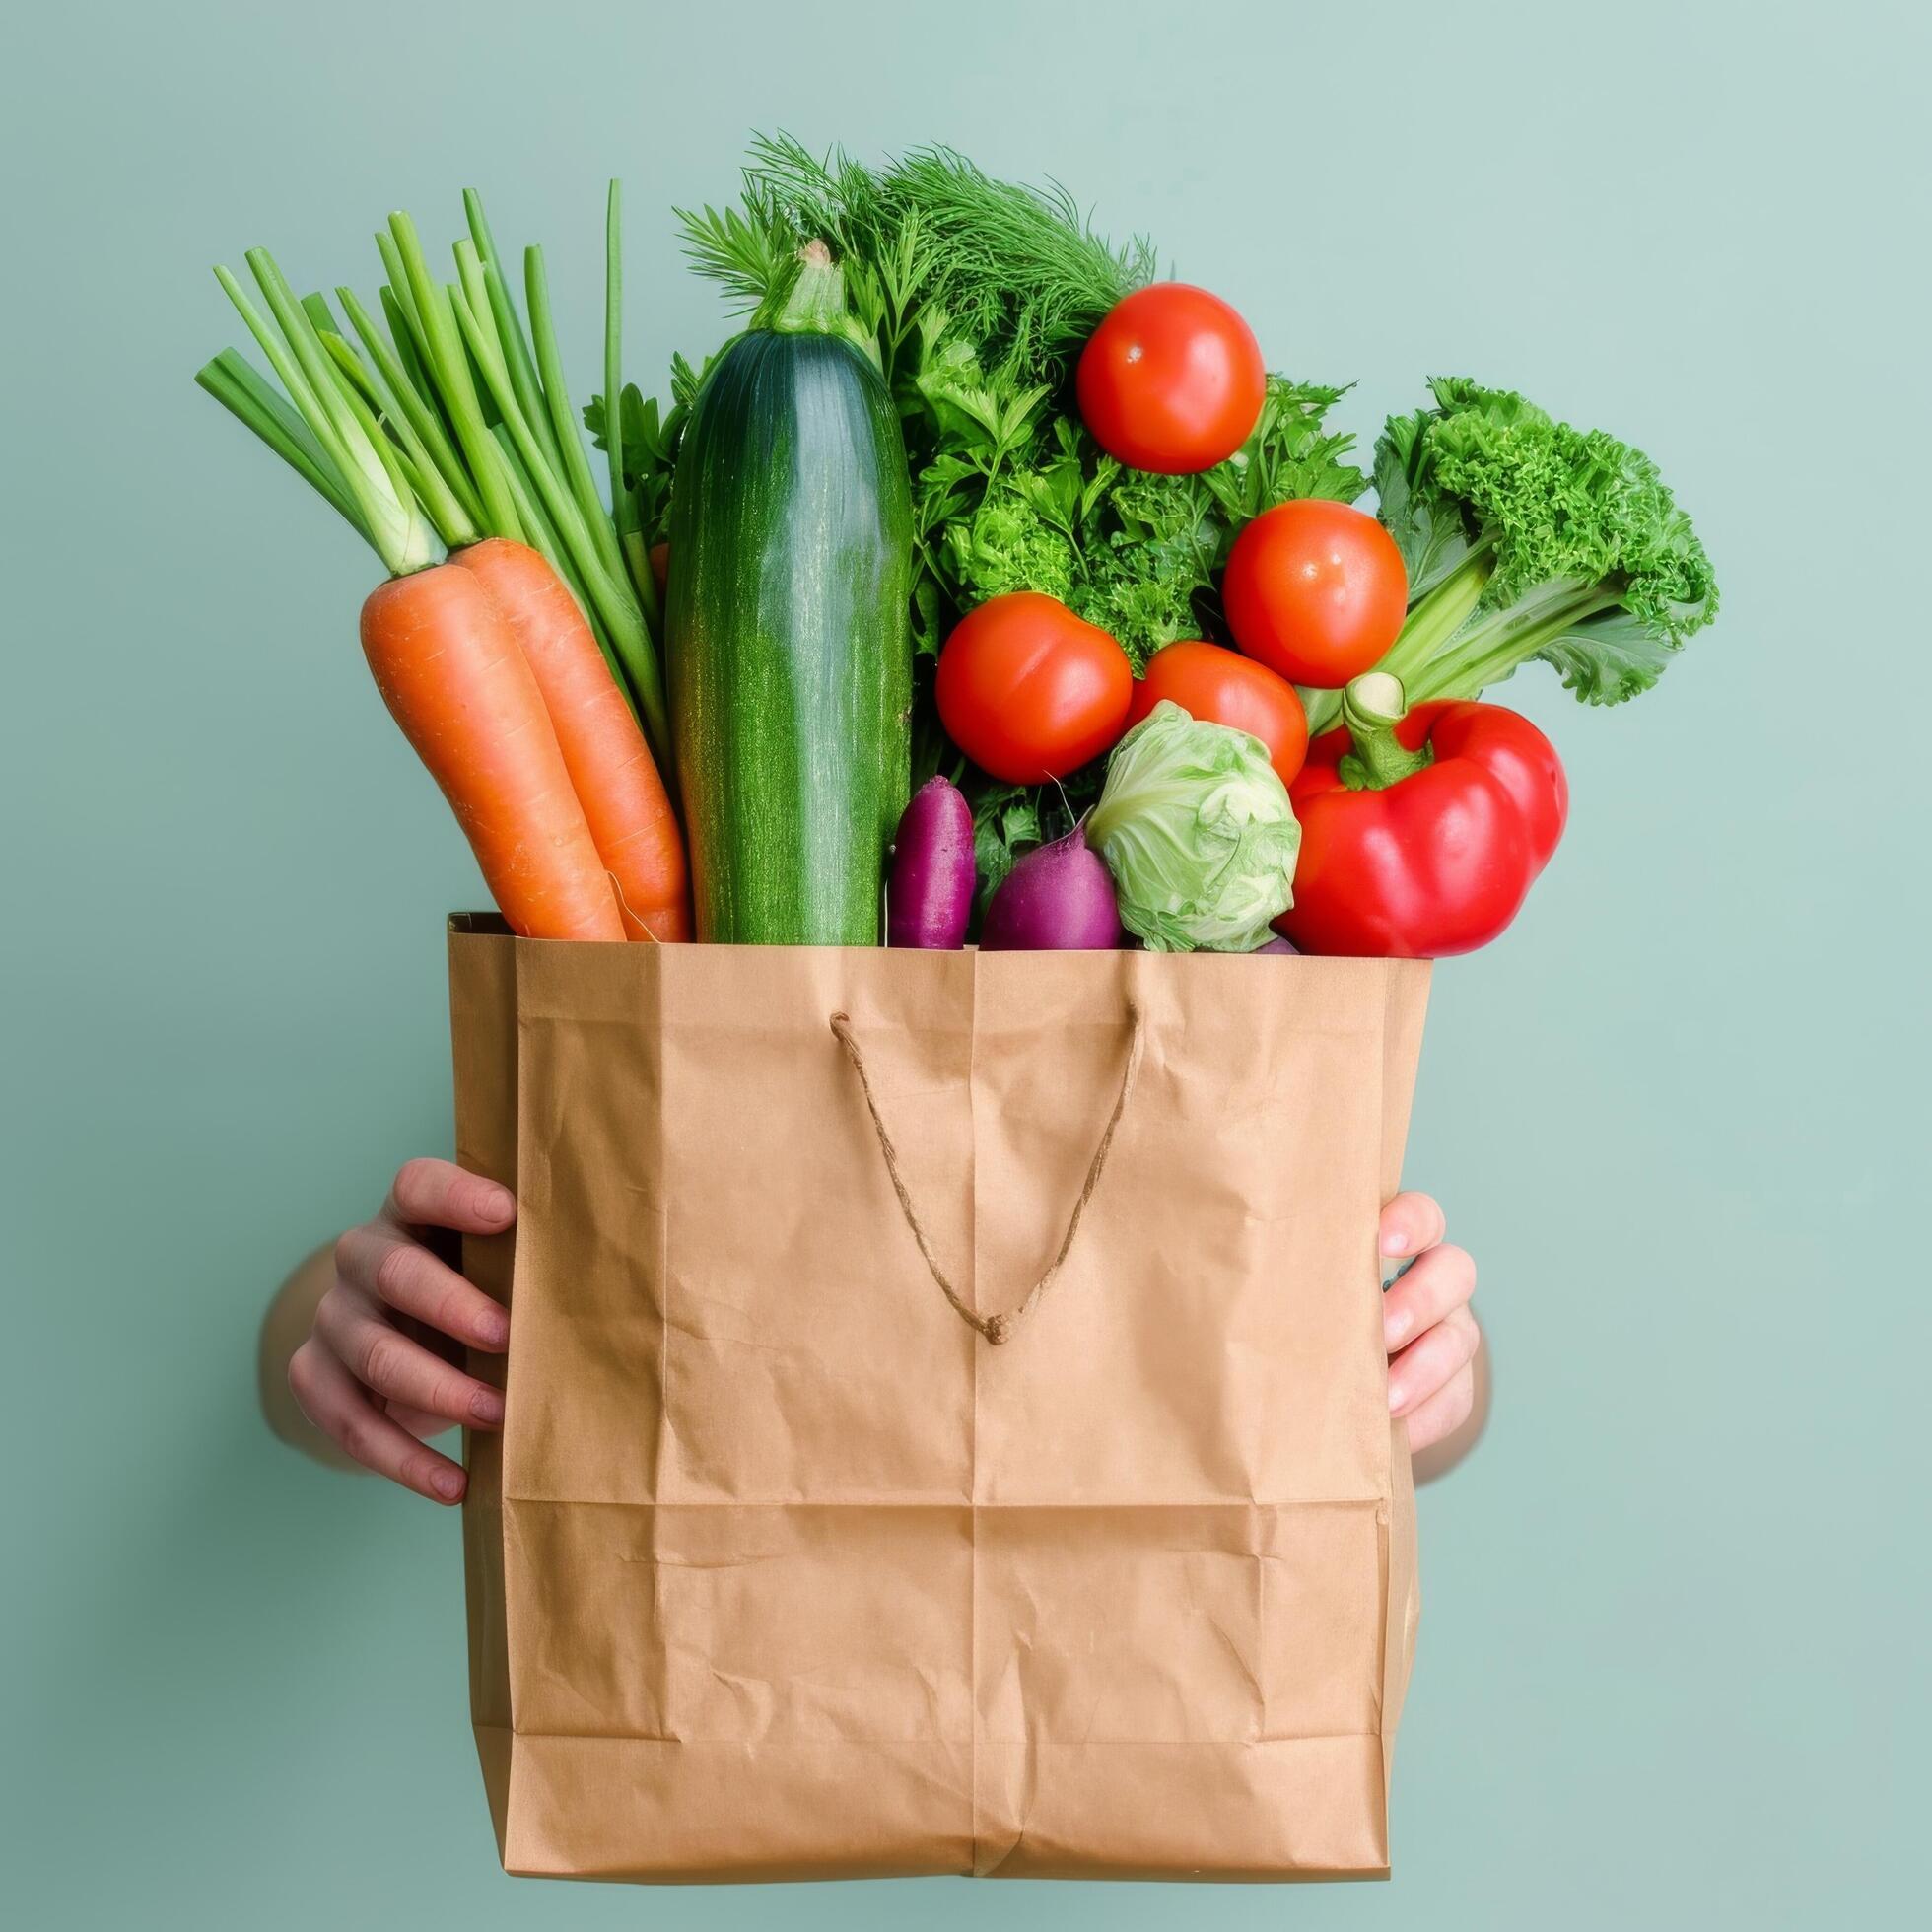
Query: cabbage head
x,y
1196,827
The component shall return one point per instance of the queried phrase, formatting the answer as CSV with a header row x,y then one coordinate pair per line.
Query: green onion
x,y
357,462
232,382
625,509
448,370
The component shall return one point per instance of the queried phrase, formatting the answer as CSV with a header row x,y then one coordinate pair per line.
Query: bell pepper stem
x,y
1372,705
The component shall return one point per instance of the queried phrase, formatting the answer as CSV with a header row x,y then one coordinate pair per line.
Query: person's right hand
x,y
365,1376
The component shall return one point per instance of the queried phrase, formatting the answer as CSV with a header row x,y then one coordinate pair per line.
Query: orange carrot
x,y
609,763
452,674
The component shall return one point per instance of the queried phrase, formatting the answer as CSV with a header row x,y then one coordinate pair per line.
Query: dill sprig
x,y
1017,274
1020,269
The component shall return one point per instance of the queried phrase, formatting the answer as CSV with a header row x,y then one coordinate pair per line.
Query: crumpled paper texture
x,y
778,1570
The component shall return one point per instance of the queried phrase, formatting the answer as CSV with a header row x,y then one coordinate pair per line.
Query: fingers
x,y
329,1397
383,1264
418,1421
1444,1412
378,1355
1439,1281
1410,1223
1430,1362
440,1194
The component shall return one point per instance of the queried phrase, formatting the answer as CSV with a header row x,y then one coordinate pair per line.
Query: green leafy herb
x,y
1016,271
1527,538
1036,505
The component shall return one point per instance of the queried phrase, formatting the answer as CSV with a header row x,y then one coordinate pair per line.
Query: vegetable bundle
x,y
524,669
976,505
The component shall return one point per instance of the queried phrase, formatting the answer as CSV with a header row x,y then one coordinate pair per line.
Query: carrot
x,y
511,670
453,676
610,766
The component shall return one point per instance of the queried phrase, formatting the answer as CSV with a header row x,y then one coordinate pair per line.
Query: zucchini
x,y
787,619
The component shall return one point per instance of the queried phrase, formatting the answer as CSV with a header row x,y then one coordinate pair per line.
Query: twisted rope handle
x,y
994,1327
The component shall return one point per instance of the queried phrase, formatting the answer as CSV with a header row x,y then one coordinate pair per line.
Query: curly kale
x,y
1527,538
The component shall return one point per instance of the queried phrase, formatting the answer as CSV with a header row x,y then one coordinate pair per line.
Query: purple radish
x,y
1278,945
928,894
1058,898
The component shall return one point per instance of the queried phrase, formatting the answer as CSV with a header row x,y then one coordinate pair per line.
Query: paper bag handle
x,y
994,1327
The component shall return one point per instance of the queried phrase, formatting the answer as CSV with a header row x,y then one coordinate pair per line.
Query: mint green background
x,y
1672,1661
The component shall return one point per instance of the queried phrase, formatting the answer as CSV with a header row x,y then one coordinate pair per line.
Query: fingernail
x,y
1395,1242
1396,1323
499,1202
486,1404
448,1484
1398,1396
493,1330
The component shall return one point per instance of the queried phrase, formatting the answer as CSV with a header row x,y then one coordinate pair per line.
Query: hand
x,y
1427,1324
363,1375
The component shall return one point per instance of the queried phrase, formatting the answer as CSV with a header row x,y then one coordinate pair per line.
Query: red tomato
x,y
1171,380
1315,590
1031,692
1223,687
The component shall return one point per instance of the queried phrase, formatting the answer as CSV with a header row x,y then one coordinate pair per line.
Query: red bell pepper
x,y
1421,833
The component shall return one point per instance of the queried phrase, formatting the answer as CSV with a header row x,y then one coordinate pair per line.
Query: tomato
x,y
1222,687
1171,380
1315,590
1031,692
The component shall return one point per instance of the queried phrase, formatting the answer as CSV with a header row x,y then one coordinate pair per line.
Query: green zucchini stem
x,y
814,303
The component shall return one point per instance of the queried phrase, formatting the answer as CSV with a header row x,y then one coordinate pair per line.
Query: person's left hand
x,y
1431,1336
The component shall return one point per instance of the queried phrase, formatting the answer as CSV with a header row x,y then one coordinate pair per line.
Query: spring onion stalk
x,y
492,287
408,390
563,419
449,370
358,425
356,458
610,599
404,335
623,499
399,308
484,378
234,382
430,481
545,538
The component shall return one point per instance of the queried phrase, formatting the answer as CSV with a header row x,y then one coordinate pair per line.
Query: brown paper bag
x,y
779,1567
